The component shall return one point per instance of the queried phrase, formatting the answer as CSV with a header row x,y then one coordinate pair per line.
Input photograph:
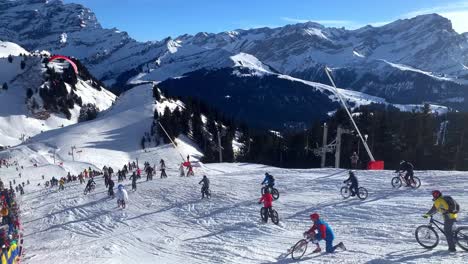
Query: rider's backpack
x,y
453,206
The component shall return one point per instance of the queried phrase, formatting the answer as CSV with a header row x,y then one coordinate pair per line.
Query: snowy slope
x,y
111,139
9,48
167,222
18,121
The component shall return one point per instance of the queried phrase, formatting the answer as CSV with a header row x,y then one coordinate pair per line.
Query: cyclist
x,y
267,200
90,182
269,181
205,186
442,206
407,167
324,232
354,183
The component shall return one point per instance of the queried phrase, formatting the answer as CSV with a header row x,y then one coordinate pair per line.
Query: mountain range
x,y
409,61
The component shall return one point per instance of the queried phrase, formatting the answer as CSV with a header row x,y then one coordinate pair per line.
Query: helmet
x,y
436,194
314,216
120,186
402,161
351,173
266,174
204,176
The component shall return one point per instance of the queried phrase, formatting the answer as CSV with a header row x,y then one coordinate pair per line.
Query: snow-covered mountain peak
x,y
430,23
251,62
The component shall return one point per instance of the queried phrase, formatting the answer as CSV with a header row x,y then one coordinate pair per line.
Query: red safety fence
x,y
375,165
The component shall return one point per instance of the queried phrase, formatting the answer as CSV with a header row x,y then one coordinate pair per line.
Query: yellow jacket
x,y
441,206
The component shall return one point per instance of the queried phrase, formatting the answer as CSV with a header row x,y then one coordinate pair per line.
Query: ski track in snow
x,y
167,222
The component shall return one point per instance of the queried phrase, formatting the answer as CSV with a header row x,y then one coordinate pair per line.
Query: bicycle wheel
x,y
208,194
396,182
85,191
274,217
362,193
299,249
415,183
461,236
426,236
275,193
263,214
262,191
345,192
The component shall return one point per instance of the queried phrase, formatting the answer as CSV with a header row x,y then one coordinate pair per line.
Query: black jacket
x,y
352,178
206,182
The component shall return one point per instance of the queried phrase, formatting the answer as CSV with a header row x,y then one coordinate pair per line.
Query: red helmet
x,y
314,216
436,194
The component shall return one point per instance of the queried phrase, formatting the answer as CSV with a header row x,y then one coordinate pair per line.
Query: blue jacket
x,y
322,228
269,180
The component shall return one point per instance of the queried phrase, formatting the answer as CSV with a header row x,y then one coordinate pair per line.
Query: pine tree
x,y
23,64
5,86
143,141
29,93
10,58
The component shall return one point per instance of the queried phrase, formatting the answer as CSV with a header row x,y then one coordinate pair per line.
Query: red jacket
x,y
267,200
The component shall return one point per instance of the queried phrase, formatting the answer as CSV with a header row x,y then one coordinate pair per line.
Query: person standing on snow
x,y
134,183
181,170
205,186
324,232
354,183
449,209
267,200
162,165
111,188
138,173
122,196
61,184
354,161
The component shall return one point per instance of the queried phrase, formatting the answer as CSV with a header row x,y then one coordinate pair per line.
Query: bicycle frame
x,y
436,223
402,178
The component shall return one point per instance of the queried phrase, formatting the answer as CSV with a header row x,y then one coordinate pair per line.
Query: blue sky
x,y
154,19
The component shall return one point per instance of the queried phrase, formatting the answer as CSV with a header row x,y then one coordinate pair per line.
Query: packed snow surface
x,y
167,222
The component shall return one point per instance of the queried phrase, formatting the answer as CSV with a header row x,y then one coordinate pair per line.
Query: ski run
x,y
166,221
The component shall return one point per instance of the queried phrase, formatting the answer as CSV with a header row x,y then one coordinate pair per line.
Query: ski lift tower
x,y
373,164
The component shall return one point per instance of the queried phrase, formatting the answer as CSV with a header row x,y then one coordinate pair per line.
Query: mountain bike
x,y
300,248
89,189
427,236
346,192
274,192
265,214
397,181
206,192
